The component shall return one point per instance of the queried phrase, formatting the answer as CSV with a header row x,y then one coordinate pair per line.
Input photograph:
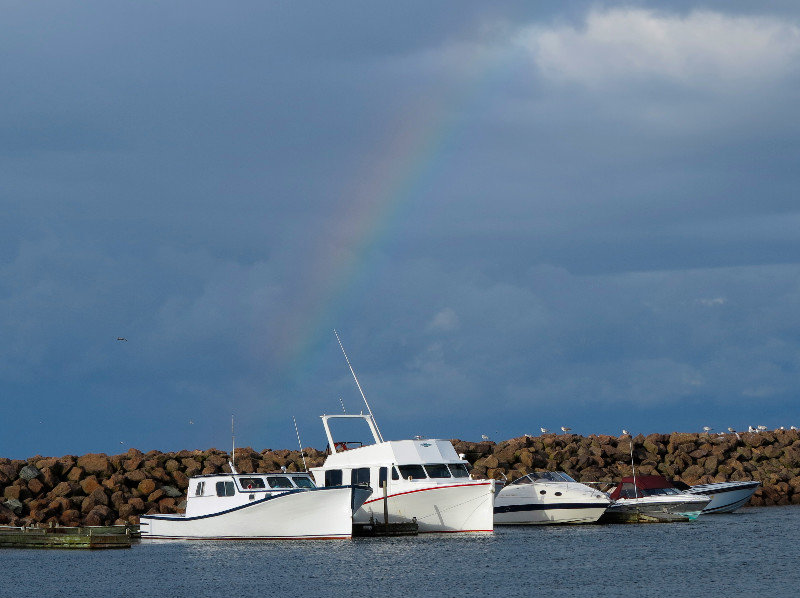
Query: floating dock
x,y
374,529
67,537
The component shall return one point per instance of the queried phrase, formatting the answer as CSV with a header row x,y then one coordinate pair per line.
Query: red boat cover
x,y
644,482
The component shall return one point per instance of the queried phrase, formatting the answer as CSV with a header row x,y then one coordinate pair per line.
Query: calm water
x,y
751,553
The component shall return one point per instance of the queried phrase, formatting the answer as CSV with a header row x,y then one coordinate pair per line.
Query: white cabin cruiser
x,y
259,506
726,497
547,497
425,481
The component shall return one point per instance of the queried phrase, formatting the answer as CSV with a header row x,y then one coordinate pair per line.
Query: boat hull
x,y
726,497
320,513
548,514
436,508
654,511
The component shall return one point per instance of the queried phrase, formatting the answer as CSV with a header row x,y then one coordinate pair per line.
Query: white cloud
x,y
445,321
697,49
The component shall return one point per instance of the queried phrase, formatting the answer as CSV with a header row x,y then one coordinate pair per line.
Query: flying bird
x,y
544,430
120,338
565,429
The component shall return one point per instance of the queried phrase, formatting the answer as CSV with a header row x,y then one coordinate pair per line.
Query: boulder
x,y
146,486
172,491
96,463
29,472
14,505
35,486
90,484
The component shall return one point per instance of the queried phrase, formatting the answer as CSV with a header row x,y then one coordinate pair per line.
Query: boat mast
x,y
233,447
352,371
633,469
300,444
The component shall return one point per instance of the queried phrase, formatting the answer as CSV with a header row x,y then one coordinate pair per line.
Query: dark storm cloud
x,y
603,232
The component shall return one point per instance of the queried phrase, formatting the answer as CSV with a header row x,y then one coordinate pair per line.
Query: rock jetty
x,y
98,489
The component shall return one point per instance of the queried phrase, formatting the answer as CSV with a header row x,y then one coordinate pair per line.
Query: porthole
x,y
542,491
558,494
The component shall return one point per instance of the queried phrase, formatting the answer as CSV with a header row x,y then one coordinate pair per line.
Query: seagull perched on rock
x,y
484,436
762,428
625,433
544,430
565,429
706,429
792,427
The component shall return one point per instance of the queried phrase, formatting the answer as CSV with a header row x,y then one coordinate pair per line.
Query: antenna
x,y
633,469
300,444
343,409
352,371
233,446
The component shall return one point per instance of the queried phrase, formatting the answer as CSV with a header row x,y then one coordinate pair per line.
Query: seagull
x,y
484,436
565,429
706,429
731,430
625,433
544,430
191,422
762,428
119,338
792,427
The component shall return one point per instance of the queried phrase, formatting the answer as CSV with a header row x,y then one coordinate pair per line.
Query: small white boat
x,y
259,506
548,497
424,480
726,497
652,499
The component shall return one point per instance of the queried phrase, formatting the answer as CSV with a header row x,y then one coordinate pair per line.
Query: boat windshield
x,y
412,471
437,470
459,470
549,476
660,491
304,482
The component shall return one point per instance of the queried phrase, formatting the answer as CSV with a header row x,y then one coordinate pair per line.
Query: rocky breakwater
x,y
98,489
773,458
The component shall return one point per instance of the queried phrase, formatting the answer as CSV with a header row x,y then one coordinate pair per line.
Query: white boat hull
x,y
552,513
437,508
321,513
726,497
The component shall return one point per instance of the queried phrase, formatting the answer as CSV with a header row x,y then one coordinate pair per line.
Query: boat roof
x,y
644,482
250,475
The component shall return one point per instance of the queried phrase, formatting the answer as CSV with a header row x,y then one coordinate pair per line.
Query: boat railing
x,y
344,446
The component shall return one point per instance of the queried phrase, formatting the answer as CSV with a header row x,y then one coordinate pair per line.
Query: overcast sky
x,y
517,215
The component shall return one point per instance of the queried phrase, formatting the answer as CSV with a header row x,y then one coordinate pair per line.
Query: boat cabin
x,y
644,485
544,476
418,460
214,492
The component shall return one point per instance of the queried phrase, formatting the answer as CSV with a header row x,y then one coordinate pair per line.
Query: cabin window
x,y
382,477
225,489
413,471
333,477
304,482
198,491
279,482
252,483
627,491
395,475
459,470
360,476
437,470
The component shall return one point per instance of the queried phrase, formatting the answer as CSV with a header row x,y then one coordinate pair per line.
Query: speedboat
x,y
259,506
545,497
652,499
726,497
420,480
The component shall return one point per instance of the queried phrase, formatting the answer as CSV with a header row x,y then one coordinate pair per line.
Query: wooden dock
x,y
66,537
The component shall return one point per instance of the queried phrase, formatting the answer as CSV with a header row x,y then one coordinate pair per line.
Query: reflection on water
x,y
753,552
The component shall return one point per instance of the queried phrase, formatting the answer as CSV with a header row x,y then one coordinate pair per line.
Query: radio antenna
x,y
343,409
300,444
352,371
232,462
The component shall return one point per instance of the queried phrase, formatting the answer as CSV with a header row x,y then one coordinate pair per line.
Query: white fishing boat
x,y
652,499
259,506
548,497
726,497
412,480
